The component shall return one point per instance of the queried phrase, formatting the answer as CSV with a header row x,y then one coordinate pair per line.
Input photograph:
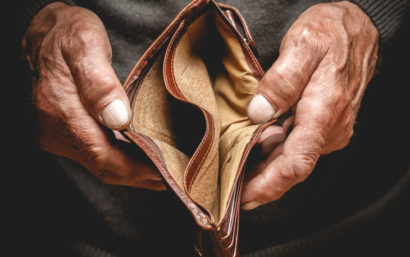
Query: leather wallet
x,y
189,93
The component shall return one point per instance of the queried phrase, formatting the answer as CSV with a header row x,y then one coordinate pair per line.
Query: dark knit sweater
x,y
340,210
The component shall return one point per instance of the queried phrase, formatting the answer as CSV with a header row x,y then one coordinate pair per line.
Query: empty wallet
x,y
189,93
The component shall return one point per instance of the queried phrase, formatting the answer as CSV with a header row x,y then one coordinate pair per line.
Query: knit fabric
x,y
30,8
386,15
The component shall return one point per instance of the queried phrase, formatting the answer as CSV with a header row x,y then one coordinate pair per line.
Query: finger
x,y
129,166
269,146
256,168
89,57
110,162
288,123
118,167
270,138
268,132
301,150
113,179
284,82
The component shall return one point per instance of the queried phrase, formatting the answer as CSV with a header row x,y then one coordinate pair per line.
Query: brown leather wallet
x,y
189,93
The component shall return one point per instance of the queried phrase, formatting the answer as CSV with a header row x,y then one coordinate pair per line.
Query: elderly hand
x,y
77,96
326,60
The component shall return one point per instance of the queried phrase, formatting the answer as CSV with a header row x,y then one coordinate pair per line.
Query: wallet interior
x,y
211,71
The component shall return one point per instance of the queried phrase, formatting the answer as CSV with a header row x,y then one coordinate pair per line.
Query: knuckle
x,y
265,195
84,31
280,83
84,34
47,96
310,37
344,140
101,86
280,73
99,89
288,174
301,167
103,80
340,99
94,155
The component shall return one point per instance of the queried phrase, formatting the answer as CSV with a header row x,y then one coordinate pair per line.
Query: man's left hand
x,y
327,58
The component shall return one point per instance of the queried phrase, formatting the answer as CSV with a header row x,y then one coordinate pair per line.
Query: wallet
x,y
189,94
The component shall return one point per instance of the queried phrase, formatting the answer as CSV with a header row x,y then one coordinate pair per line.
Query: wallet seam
x,y
209,133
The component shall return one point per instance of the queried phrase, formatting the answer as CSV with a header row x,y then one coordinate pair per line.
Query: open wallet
x,y
189,93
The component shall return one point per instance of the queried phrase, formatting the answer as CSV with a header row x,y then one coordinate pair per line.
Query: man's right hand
x,y
77,96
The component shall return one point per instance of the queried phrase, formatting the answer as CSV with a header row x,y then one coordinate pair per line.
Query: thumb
x,y
283,83
89,58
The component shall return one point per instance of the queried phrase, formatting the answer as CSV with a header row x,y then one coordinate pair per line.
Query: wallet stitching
x,y
212,136
242,23
190,175
159,42
171,58
196,211
244,45
168,59
173,45
249,52
176,39
247,49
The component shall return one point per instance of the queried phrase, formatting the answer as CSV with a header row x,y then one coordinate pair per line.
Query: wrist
x,y
386,15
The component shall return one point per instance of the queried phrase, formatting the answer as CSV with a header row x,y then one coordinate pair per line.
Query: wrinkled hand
x,y
326,60
78,97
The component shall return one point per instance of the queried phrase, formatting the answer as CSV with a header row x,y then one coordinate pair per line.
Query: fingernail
x,y
260,110
115,115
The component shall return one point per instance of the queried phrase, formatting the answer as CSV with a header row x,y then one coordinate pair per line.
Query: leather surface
x,y
189,93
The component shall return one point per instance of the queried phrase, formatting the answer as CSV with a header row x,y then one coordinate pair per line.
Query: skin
x,y
326,60
68,48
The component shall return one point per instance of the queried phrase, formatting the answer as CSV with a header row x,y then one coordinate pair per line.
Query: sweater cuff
x,y
31,8
387,15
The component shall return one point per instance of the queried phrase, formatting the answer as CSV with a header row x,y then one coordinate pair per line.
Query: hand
x,y
326,60
77,96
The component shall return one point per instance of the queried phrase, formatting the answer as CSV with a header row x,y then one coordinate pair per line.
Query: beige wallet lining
x,y
211,71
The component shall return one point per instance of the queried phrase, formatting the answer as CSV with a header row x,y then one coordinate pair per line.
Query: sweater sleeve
x,y
30,8
387,15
